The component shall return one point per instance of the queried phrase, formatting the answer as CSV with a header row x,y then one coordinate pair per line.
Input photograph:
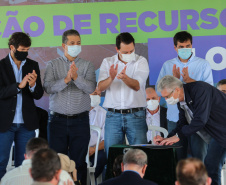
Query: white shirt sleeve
x,y
142,72
104,71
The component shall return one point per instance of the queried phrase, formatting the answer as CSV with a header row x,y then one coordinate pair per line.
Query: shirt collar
x,y
13,63
183,102
68,61
26,162
150,115
131,171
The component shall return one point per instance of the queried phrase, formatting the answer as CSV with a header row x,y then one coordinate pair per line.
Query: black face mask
x,y
20,55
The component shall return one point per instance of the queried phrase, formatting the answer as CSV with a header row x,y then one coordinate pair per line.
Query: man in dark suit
x,y
20,84
133,167
155,114
201,110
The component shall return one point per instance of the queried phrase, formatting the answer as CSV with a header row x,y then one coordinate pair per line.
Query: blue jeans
x,y
117,125
70,136
20,135
214,161
197,145
101,162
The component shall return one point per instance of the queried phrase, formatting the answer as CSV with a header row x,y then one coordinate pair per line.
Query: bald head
x,y
151,94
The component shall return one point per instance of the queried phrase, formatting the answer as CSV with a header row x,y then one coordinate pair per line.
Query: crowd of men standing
x,y
196,122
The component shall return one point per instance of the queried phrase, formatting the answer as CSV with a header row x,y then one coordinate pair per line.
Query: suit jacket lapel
x,y
9,69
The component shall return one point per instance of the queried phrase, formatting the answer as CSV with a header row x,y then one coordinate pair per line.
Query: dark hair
x,y
45,164
35,144
182,36
19,39
117,165
221,82
191,171
68,33
125,37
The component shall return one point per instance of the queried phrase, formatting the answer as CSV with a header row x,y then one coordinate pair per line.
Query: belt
x,y
69,116
126,111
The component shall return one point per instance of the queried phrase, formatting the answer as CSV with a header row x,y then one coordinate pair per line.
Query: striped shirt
x,y
71,98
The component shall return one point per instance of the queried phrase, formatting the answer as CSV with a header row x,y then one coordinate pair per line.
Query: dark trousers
x,y
71,136
101,162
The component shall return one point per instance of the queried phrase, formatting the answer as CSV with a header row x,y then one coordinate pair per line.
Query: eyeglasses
x,y
167,97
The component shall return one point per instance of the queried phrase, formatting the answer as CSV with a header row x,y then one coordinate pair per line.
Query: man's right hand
x,y
113,71
158,139
23,83
68,77
176,71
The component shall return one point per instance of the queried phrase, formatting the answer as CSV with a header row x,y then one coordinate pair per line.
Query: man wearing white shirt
x,y
97,117
124,76
155,114
20,175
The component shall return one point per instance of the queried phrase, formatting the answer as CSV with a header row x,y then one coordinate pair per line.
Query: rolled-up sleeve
x,y
142,72
104,71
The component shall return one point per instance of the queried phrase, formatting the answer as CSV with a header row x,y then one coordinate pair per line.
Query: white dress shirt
x,y
119,95
153,120
97,118
21,176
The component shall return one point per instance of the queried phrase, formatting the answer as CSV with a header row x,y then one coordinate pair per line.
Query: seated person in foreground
x,y
155,114
134,166
97,117
20,175
46,168
192,171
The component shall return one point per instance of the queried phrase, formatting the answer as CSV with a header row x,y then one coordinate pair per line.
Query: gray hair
x,y
169,83
135,156
68,33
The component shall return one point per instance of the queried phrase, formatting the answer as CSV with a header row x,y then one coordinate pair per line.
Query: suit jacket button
x,y
13,110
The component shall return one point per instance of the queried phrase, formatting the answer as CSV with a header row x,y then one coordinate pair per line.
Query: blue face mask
x,y
184,53
74,50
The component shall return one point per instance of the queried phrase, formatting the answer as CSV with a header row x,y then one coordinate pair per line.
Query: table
x,y
161,163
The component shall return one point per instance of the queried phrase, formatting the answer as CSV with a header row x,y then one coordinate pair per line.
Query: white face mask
x,y
152,104
95,100
74,50
172,100
128,57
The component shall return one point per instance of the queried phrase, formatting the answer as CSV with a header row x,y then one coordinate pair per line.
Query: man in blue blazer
x,y
20,84
202,110
134,166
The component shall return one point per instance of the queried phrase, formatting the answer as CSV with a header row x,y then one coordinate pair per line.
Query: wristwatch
x,y
18,87
77,182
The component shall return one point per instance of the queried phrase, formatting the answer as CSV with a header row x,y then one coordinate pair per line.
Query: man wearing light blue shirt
x,y
188,68
20,84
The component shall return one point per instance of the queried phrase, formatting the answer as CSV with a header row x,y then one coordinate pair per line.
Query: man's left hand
x,y
74,70
122,75
91,151
170,141
185,75
32,78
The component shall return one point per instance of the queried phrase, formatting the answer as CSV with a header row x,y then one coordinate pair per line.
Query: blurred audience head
x,y
221,85
33,145
117,165
192,171
46,166
136,160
